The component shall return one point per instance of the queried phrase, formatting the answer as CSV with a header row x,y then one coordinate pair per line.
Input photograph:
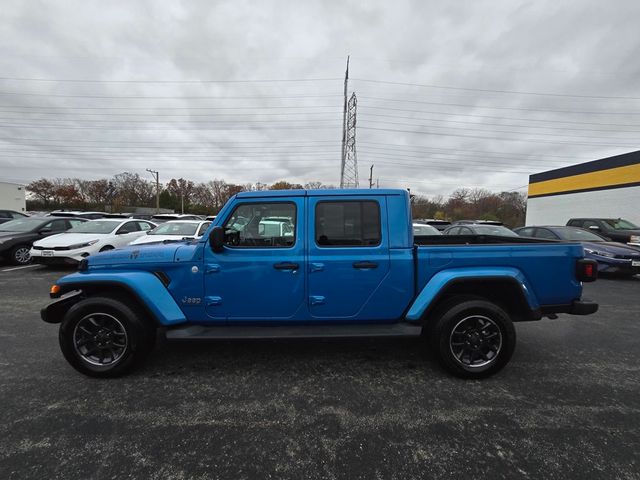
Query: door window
x,y
56,225
262,225
525,232
75,222
348,224
128,227
144,226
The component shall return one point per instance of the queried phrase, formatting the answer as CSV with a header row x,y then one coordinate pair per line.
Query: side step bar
x,y
225,332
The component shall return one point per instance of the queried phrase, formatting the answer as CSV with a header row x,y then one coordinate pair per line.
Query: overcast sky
x,y
450,94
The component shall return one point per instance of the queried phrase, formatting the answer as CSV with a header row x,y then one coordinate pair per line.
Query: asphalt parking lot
x,y
567,406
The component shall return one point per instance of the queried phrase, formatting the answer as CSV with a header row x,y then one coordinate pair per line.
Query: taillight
x,y
586,270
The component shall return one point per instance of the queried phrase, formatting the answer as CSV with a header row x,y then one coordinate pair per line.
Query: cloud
x,y
252,91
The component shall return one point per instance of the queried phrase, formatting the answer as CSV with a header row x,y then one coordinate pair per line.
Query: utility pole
x,y
349,174
156,175
371,177
344,126
182,201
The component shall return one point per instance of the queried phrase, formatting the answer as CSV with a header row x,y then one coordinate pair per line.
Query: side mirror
x,y
44,231
216,239
594,227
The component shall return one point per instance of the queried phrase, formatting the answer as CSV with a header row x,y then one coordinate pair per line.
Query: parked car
x,y
6,215
79,214
612,257
420,229
477,222
88,239
173,230
616,229
480,229
210,218
350,268
165,217
17,236
439,224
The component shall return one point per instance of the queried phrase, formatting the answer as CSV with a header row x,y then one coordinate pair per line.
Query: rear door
x,y
348,249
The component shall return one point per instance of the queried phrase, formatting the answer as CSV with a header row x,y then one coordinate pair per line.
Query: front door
x,y
260,275
348,257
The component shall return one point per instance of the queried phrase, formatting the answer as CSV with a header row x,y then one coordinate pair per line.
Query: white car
x,y
174,230
424,229
87,239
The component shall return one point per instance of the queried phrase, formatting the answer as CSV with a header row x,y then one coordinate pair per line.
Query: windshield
x,y
578,235
95,226
621,224
494,230
182,229
20,225
425,230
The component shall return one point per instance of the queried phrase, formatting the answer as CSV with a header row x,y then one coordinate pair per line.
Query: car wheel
x,y
106,248
473,338
104,337
20,255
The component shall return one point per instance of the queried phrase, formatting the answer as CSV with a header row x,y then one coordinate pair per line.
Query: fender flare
x,y
445,278
144,286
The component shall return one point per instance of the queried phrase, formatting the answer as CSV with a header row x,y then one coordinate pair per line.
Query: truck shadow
x,y
282,355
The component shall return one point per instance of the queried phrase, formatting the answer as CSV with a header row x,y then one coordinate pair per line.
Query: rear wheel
x,y
20,255
104,337
472,338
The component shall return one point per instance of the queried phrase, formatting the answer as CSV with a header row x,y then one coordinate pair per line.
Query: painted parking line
x,y
20,268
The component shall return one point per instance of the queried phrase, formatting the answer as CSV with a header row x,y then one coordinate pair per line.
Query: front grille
x,y
35,247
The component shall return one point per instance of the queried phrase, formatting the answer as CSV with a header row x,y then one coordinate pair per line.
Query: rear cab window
x,y
348,223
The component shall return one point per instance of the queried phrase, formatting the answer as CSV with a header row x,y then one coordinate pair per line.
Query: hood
x,y
66,239
612,247
145,239
131,255
6,235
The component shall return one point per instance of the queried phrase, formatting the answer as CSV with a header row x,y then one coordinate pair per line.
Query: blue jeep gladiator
x,y
321,263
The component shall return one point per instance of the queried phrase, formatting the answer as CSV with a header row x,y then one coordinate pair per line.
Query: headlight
x,y
600,254
82,245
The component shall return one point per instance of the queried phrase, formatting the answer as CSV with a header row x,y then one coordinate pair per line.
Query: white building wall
x,y
12,197
558,209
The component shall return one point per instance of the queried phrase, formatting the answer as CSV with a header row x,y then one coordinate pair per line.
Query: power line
x,y
76,80
486,90
502,138
468,105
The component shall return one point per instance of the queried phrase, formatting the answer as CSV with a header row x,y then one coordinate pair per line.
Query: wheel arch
x,y
145,290
509,291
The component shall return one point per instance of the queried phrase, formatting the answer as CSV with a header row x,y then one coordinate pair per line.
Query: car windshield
x,y
96,226
425,230
182,229
20,225
621,224
578,235
494,230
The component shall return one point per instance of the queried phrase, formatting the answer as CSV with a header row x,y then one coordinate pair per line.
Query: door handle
x,y
286,266
365,265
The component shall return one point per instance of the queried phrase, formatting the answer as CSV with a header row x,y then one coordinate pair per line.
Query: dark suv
x,y
617,229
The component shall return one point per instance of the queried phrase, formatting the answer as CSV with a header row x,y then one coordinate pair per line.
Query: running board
x,y
224,332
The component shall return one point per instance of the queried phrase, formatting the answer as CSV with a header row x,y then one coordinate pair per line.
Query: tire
x,y
472,338
104,337
20,255
106,248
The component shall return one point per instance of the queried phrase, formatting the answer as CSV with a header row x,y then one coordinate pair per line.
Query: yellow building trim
x,y
585,181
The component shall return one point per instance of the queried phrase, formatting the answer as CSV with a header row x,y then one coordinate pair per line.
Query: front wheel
x,y
20,255
473,338
104,337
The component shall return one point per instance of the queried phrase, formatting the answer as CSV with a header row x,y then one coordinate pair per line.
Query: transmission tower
x,y
349,174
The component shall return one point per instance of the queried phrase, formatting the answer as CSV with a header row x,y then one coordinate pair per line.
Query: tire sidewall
x,y
137,336
450,318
